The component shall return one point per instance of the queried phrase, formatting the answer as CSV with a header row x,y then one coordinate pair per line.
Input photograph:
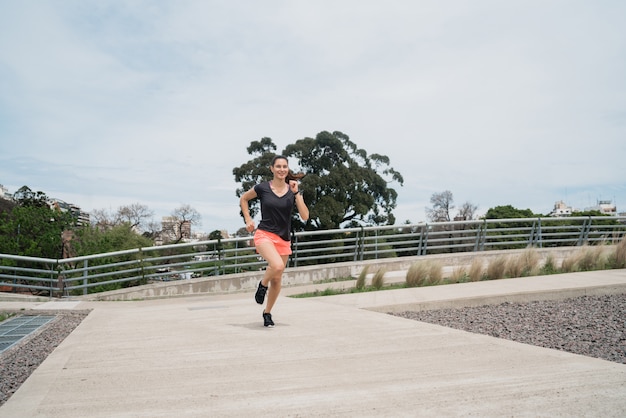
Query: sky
x,y
110,103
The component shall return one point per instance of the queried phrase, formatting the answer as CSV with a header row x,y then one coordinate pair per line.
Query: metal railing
x,y
109,271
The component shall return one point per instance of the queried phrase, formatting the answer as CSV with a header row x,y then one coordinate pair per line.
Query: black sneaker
x,y
259,296
267,320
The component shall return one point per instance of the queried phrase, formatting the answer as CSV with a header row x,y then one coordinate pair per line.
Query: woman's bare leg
x,y
273,273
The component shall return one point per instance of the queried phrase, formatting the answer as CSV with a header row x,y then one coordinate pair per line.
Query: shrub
x,y
586,259
569,264
618,259
424,273
497,268
435,272
417,274
378,281
360,281
591,258
476,270
513,267
459,275
549,267
528,263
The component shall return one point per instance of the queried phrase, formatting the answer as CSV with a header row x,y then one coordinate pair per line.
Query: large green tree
x,y
32,228
93,240
343,186
509,212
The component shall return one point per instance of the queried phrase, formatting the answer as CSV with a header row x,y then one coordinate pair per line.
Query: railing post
x,y
53,269
141,264
219,257
294,240
376,244
584,232
85,276
424,240
356,246
535,234
479,245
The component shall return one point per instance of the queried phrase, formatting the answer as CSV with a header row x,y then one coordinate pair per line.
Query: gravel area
x,y
593,326
20,360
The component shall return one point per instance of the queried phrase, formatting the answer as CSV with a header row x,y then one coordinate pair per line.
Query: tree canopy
x,y
32,227
508,212
442,205
343,186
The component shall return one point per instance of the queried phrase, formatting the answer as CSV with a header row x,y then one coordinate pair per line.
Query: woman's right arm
x,y
245,208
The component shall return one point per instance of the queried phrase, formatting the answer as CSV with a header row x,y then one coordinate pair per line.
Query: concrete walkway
x,y
210,356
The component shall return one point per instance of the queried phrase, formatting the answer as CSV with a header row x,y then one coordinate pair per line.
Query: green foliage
x,y
33,229
6,206
549,266
343,184
6,315
217,234
90,240
25,197
508,212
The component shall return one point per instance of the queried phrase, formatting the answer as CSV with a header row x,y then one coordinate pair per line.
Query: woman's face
x,y
280,168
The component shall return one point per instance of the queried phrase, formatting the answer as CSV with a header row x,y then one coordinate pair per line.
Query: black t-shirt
x,y
275,210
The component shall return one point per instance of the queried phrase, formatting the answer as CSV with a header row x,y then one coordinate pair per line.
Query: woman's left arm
x,y
303,210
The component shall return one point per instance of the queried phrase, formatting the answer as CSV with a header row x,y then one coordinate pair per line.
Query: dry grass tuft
x,y
360,281
569,263
476,270
525,264
497,268
619,256
459,275
378,281
435,272
424,273
586,259
417,274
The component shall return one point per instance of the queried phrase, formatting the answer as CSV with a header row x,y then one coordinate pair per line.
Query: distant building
x,y
172,228
82,218
561,209
4,193
606,207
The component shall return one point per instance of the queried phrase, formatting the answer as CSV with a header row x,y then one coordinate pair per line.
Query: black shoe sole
x,y
268,324
260,297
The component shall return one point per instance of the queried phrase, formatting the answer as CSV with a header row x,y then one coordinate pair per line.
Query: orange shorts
x,y
283,247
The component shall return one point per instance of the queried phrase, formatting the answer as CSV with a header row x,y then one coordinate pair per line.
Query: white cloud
x,y
516,103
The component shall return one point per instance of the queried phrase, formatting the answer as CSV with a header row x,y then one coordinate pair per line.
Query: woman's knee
x,y
277,269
